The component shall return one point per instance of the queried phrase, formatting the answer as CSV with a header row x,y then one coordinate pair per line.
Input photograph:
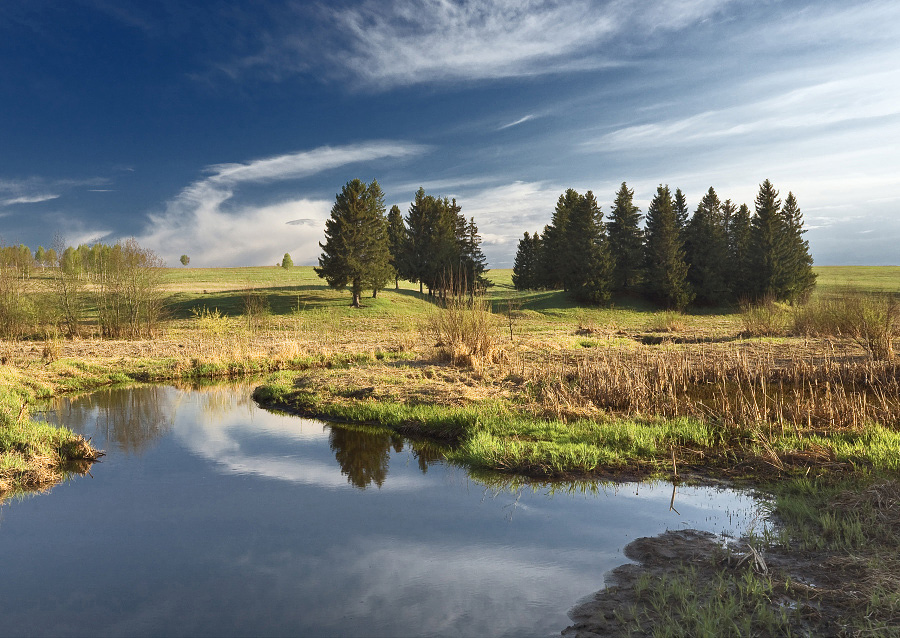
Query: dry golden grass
x,y
813,388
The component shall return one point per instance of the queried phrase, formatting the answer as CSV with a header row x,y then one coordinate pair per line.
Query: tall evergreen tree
x,y
525,268
382,270
771,271
801,279
740,255
625,241
555,254
681,212
396,231
356,251
666,270
706,250
587,272
415,252
473,259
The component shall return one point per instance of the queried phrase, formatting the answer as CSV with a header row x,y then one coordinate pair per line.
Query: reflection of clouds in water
x,y
295,449
471,590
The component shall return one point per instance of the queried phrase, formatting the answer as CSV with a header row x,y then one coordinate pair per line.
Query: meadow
x,y
802,401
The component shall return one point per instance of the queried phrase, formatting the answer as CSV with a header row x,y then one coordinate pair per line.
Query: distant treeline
x,y
720,254
434,246
119,282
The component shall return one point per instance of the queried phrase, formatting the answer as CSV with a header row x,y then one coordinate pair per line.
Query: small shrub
x,y
765,318
466,331
872,320
666,321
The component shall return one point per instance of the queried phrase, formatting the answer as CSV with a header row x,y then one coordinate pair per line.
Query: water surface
x,y
209,516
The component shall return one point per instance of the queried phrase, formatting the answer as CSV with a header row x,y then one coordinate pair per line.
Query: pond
x,y
210,516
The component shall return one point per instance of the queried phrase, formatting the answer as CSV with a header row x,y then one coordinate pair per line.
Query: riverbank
x,y
34,455
828,569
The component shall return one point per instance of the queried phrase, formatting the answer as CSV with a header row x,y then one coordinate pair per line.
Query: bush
x,y
465,331
872,320
766,318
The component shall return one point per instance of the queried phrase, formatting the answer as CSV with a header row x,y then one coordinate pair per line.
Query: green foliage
x,y
739,264
625,241
526,269
442,249
397,237
801,279
587,274
556,257
706,248
286,261
666,269
356,250
185,260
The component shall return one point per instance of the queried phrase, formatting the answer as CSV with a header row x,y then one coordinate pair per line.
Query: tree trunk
x,y
355,303
374,293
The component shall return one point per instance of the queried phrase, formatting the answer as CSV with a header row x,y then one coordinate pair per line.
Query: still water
x,y
209,516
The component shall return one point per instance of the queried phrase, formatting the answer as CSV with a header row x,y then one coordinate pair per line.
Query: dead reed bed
x,y
806,392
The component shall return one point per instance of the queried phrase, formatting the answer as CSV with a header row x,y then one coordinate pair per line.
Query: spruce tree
x,y
771,271
706,251
415,252
666,270
555,254
356,251
397,241
681,212
382,270
801,279
525,267
587,270
740,255
473,259
625,241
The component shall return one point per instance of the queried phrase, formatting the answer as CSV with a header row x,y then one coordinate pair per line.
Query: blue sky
x,y
223,130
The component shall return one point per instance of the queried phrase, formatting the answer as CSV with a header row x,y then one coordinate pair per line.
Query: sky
x,y
223,130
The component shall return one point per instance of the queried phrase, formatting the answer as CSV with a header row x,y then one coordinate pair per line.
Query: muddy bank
x,y
692,583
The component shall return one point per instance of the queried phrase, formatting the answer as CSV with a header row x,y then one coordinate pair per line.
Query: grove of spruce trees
x,y
435,246
721,254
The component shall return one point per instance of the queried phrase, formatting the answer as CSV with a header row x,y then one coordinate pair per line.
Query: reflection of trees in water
x,y
364,456
131,418
220,398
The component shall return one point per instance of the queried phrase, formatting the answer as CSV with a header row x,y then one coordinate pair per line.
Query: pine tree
x,y
666,269
473,259
382,270
555,255
587,269
415,255
801,278
681,212
625,241
525,267
356,251
740,255
771,272
396,241
706,250
286,261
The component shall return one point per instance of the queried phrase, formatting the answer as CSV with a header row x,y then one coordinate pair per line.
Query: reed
x,y
465,331
803,394
872,320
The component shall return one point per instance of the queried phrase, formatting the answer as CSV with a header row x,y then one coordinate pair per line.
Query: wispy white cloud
x,y
28,199
205,223
850,99
404,42
521,120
